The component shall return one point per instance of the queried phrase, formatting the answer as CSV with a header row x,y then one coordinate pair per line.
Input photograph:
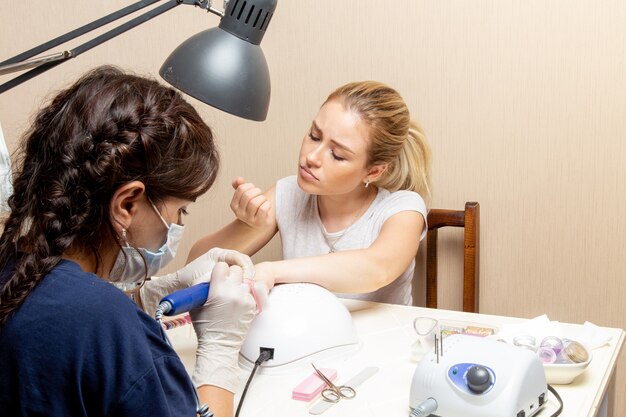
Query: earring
x,y
367,183
124,235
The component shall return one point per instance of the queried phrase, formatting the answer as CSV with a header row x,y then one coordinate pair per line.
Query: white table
x,y
386,338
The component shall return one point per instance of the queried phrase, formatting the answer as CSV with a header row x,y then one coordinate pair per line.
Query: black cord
x,y
264,356
558,397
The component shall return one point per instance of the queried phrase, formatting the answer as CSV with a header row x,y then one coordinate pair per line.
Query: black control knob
x,y
478,379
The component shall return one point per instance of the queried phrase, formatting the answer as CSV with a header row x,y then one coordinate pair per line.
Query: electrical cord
x,y
425,408
558,397
265,355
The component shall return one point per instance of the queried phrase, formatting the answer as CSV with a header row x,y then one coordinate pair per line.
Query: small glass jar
x,y
575,352
526,341
552,342
546,354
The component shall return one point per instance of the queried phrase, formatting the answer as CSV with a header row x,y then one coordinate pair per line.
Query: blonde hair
x,y
395,139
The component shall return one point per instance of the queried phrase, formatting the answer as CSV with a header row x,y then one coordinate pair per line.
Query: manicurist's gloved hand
x,y
221,325
195,272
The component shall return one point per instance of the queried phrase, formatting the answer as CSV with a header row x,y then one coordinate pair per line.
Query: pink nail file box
x,y
312,385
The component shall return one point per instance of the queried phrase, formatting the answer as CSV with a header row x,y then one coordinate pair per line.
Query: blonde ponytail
x,y
411,169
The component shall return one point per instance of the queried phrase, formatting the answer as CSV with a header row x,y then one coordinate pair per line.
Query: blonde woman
x,y
352,218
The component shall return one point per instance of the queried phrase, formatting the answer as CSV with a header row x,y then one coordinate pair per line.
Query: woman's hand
x,y
250,205
264,273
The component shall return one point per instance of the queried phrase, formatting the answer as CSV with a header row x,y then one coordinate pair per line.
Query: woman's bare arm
x,y
359,270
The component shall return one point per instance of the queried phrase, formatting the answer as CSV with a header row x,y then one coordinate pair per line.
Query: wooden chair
x,y
469,219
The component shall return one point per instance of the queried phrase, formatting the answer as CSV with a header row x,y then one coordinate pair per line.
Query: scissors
x,y
334,393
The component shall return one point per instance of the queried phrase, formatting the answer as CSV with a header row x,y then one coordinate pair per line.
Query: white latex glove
x,y
195,272
221,326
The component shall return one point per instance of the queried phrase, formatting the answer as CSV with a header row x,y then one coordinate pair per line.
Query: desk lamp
x,y
222,66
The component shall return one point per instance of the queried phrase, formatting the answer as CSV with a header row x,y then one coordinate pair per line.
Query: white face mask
x,y
129,270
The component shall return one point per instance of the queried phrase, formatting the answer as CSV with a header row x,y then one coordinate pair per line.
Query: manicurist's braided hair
x,y
107,129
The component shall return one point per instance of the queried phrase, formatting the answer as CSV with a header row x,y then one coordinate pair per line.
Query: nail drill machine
x,y
470,376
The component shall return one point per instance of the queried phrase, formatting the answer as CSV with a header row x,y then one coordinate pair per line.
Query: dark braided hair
x,y
107,129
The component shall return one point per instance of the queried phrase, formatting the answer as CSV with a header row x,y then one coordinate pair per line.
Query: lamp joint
x,y
203,4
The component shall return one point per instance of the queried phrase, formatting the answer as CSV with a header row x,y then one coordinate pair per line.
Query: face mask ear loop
x,y
167,226
123,238
124,243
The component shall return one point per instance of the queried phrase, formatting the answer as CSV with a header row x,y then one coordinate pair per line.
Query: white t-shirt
x,y
302,232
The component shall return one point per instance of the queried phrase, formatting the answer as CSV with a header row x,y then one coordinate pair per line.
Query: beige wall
x,y
524,104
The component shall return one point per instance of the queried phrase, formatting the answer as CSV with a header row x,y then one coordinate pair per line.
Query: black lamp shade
x,y
221,70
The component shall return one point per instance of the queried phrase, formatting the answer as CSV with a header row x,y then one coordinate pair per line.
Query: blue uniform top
x,y
79,347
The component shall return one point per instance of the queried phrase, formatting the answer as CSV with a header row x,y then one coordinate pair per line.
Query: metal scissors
x,y
334,393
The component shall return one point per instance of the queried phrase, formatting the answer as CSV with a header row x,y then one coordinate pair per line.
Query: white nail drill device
x,y
470,376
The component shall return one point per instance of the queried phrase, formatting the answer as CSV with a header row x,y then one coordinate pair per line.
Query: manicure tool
x,y
334,393
324,404
310,387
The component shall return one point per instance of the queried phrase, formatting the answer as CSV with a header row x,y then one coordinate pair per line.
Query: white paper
x,y
589,334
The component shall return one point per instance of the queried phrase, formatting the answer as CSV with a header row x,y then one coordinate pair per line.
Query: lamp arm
x,y
42,64
78,32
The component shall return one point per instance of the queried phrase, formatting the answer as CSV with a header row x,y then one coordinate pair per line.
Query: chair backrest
x,y
469,219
